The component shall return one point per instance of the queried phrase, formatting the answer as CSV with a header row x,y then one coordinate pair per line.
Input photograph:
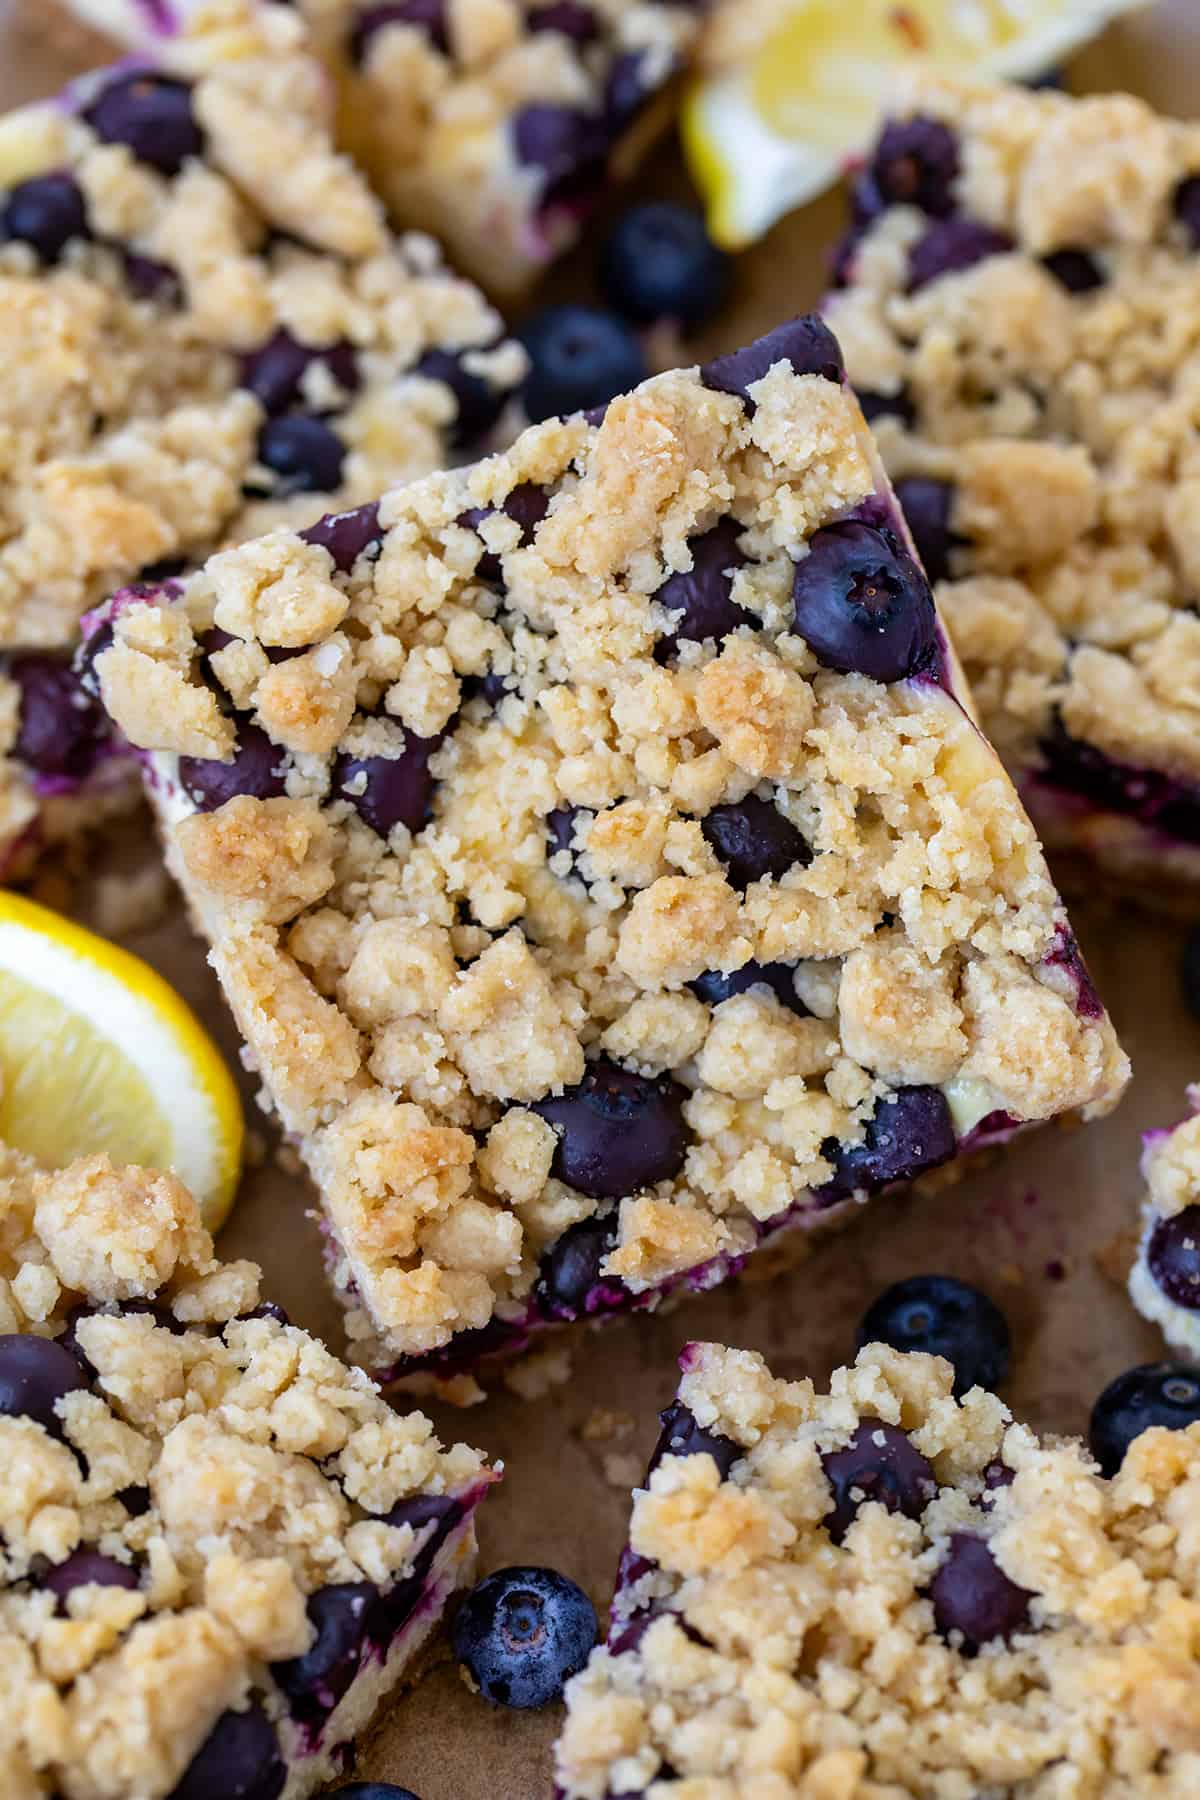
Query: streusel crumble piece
x,y
221,1549
882,1590
599,860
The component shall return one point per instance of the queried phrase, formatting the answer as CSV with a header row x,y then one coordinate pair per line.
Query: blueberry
x,y
1077,270
570,18
346,535
526,505
389,790
257,768
1173,1257
617,1132
973,1596
428,16
479,403
714,986
943,1317
61,725
862,604
152,114
702,595
682,1436
45,213
910,1131
35,1373
305,454
579,358
83,1567
806,342
274,373
570,1269
626,90
927,505
950,246
567,147
1189,972
753,840
915,164
421,1510
879,1463
996,1477
660,263
238,1760
148,279
341,1618
1185,204
888,406
1163,1393
522,1633
373,1790
267,1309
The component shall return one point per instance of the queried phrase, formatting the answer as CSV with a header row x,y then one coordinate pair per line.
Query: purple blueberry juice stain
x,y
1067,955
1167,806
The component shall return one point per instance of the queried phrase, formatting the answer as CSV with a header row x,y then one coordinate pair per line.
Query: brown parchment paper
x,y
1037,1227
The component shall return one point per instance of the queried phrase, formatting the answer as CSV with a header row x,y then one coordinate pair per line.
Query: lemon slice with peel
x,y
795,88
98,1053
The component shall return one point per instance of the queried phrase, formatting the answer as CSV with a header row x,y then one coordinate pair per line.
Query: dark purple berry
x,y
973,1597
372,1790
274,373
522,1633
1173,1257
527,506
60,724
479,403
753,840
714,986
910,1131
626,91
45,213
570,18
386,791
927,506
701,596
570,1269
567,146
1186,207
950,246
660,263
943,1317
268,1309
341,1619
422,1510
152,114
888,406
878,1464
148,279
1189,973
238,1760
682,1436
304,453
579,358
996,1477
257,768
617,1132
1076,270
862,604
83,1567
346,535
1163,1393
428,16
806,342
36,1373
915,164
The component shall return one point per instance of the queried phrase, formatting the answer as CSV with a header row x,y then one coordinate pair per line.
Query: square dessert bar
x,y
600,860
884,1591
1165,1280
496,124
221,1548
1019,306
208,330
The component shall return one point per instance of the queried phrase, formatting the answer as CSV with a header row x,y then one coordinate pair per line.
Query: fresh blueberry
x,y
1173,1257
346,535
268,1309
888,406
1189,971
660,263
567,147
45,212
274,373
579,358
148,279
238,1760
570,18
862,604
570,1269
626,90
373,1790
682,1436
341,1618
753,840
915,164
479,403
1163,1393
1077,270
152,114
951,245
927,505
527,505
303,452
257,768
807,343
522,1634
879,1463
428,16
35,1373
84,1567
973,1597
910,1131
389,790
1186,207
714,986
60,724
617,1132
943,1317
701,597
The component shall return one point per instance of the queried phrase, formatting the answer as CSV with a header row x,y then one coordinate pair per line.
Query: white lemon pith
x,y
769,127
98,1053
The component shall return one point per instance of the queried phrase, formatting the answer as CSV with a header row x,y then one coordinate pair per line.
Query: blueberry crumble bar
x,y
600,860
208,330
1019,304
884,1591
1165,1279
496,124
221,1548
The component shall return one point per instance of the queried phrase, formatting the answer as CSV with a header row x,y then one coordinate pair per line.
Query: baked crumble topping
x,y
1165,1278
881,1590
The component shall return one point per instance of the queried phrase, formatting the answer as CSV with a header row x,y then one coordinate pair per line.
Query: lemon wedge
x,y
794,88
98,1053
